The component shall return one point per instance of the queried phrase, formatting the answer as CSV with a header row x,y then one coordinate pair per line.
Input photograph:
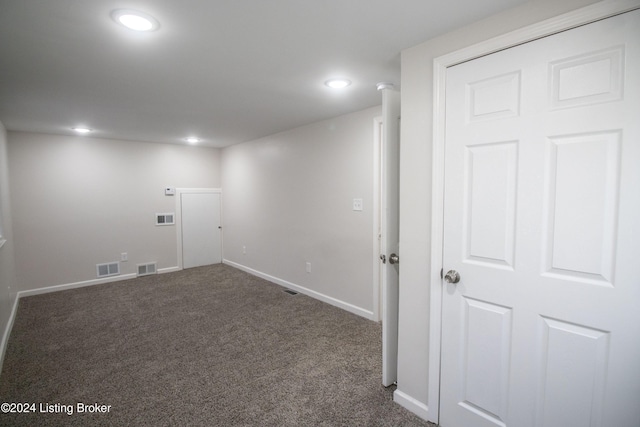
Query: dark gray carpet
x,y
208,346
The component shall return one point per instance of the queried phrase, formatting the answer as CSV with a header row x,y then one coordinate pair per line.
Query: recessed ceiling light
x,y
337,83
192,139
81,129
134,20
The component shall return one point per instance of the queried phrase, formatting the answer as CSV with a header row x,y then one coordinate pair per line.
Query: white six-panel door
x,y
201,229
542,223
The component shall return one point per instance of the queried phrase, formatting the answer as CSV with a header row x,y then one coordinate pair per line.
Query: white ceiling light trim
x,y
192,139
134,20
384,85
338,83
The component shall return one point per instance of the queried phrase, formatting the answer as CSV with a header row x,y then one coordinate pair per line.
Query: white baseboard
x,y
7,330
67,286
313,294
412,404
92,282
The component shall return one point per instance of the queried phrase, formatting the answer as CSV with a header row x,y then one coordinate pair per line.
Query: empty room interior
x,y
320,213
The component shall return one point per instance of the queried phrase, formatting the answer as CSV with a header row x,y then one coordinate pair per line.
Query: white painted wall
x,y
415,186
7,263
288,199
80,201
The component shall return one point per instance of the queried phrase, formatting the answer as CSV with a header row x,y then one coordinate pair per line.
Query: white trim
x,y
567,21
313,294
545,28
7,330
413,405
168,270
178,218
377,218
85,283
64,287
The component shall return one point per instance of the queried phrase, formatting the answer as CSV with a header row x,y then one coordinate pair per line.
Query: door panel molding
x,y
533,32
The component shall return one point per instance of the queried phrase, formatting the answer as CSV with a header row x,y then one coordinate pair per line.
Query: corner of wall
x,y
288,213
8,295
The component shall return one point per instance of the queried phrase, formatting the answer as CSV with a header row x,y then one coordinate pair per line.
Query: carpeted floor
x,y
208,346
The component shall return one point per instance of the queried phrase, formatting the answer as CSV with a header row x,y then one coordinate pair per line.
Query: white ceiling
x,y
227,71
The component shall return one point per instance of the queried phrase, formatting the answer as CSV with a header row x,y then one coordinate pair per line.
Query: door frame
x,y
179,193
379,226
527,34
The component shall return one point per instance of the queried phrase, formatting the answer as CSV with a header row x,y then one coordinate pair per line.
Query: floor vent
x,y
146,269
108,269
165,219
290,292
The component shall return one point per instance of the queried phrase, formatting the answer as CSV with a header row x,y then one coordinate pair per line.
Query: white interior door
x,y
541,221
201,229
390,219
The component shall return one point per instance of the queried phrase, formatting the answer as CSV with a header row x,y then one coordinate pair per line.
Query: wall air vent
x,y
165,218
108,269
147,269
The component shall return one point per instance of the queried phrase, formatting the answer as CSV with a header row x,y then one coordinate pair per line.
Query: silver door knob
x,y
452,276
393,259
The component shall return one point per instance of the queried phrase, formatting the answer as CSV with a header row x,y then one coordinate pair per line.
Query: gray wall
x,y
7,264
80,201
415,182
288,199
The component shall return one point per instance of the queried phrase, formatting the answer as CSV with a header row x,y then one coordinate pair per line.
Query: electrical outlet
x,y
308,267
357,204
124,256
244,249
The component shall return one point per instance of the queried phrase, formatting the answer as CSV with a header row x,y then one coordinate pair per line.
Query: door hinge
x,y
442,273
